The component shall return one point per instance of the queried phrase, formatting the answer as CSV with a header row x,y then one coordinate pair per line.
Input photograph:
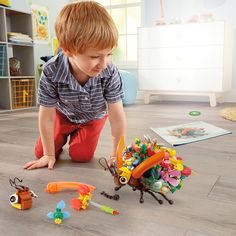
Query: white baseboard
x,y
228,97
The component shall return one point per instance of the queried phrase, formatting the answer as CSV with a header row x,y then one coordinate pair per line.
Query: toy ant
x,y
141,169
22,199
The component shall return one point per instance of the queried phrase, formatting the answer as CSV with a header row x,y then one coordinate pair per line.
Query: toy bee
x,y
22,199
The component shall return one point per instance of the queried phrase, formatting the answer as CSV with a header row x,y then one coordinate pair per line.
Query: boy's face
x,y
91,62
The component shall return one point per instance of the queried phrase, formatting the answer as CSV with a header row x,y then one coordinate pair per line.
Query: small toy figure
x,y
84,199
22,199
58,216
85,194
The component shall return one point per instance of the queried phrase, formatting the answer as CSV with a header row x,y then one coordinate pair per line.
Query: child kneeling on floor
x,y
80,87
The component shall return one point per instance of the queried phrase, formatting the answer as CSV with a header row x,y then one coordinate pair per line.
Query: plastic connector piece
x,y
55,187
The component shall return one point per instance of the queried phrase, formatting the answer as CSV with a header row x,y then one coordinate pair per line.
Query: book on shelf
x,y
15,37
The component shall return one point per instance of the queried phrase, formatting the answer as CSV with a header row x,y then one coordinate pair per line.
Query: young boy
x,y
79,87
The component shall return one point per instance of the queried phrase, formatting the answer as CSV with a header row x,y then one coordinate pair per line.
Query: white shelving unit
x,y
186,59
16,92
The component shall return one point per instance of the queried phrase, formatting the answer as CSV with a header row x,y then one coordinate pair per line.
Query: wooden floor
x,y
206,205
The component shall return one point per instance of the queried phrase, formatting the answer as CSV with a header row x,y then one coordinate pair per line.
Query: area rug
x,y
228,113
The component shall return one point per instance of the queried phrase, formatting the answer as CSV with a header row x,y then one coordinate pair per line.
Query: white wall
x,y
222,10
184,9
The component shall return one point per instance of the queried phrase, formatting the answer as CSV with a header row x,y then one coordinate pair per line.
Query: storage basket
x,y
2,60
23,93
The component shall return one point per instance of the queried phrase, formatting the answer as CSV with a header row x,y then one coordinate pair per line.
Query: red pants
x,y
83,138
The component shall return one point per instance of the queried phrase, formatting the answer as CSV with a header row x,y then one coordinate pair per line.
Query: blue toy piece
x,y
130,87
58,216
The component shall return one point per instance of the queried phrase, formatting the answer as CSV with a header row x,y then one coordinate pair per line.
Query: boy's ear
x,y
67,52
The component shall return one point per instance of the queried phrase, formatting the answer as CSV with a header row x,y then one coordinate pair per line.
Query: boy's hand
x,y
44,161
112,161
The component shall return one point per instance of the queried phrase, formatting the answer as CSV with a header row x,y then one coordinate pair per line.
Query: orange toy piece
x,y
119,153
147,164
22,198
55,187
84,200
84,197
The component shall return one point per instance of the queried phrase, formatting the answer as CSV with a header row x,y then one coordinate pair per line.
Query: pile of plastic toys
x,y
167,175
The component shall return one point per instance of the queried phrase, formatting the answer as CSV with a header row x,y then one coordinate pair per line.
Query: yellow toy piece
x,y
17,205
85,200
57,221
119,153
125,175
6,3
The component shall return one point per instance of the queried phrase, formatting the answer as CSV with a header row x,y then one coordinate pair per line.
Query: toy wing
x,y
66,215
119,152
61,204
50,215
148,163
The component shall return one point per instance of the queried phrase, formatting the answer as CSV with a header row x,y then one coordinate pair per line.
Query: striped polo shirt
x,y
58,88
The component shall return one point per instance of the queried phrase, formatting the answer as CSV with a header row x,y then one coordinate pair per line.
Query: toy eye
x,y
123,180
13,198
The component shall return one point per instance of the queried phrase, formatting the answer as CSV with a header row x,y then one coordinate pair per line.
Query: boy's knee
x,y
76,154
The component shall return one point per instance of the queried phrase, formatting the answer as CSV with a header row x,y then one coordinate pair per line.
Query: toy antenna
x,y
119,152
15,185
106,166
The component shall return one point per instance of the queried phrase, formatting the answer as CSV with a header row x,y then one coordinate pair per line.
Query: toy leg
x,y
154,196
167,199
141,200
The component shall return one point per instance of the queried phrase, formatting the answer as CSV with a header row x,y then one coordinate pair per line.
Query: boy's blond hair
x,y
84,24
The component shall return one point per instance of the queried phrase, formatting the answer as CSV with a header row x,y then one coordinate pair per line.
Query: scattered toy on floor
x,y
115,197
148,167
55,187
194,113
58,216
84,199
22,199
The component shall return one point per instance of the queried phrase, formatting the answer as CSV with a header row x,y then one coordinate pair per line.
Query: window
x,y
127,16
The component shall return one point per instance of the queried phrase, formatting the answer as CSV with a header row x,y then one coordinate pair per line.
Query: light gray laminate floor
x,y
205,206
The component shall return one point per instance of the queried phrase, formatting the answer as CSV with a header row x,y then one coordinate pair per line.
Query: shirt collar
x,y
63,74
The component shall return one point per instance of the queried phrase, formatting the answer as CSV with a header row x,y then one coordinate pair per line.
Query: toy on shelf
x,y
58,216
22,198
84,199
148,167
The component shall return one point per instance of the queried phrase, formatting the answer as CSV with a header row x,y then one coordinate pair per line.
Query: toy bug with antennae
x,y
148,167
22,198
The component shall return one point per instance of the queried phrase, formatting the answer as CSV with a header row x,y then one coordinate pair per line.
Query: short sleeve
x,y
47,93
113,91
